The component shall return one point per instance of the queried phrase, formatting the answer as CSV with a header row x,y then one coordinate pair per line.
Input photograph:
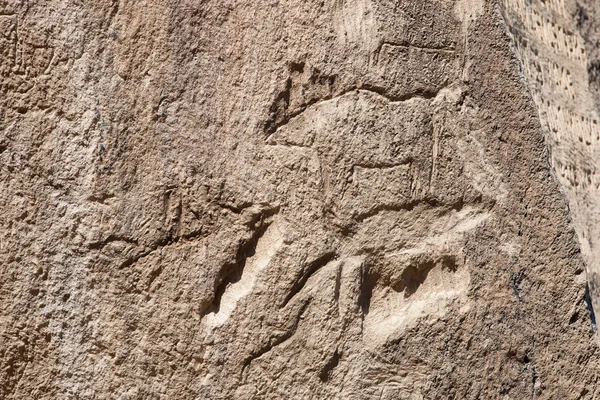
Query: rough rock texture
x,y
344,199
558,45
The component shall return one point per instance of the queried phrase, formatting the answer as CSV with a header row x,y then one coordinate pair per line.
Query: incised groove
x,y
274,342
111,239
306,273
233,273
365,88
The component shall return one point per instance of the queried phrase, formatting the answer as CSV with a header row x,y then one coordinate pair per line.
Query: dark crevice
x,y
297,67
381,165
330,366
232,273
236,209
306,273
449,263
582,16
110,239
100,198
458,206
279,114
114,11
426,94
274,342
387,207
367,285
590,308
338,284
594,72
430,202
413,277
192,234
574,318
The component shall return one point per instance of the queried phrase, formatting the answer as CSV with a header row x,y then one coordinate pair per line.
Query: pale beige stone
x,y
346,199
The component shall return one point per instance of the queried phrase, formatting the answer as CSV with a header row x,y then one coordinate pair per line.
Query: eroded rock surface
x,y
557,43
262,200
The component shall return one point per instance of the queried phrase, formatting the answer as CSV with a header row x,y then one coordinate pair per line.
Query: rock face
x,y
344,199
557,42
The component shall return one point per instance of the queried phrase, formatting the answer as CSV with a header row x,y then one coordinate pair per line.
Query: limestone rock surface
x,y
339,199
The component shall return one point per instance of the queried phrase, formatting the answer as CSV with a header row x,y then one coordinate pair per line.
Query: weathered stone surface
x,y
556,41
262,200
